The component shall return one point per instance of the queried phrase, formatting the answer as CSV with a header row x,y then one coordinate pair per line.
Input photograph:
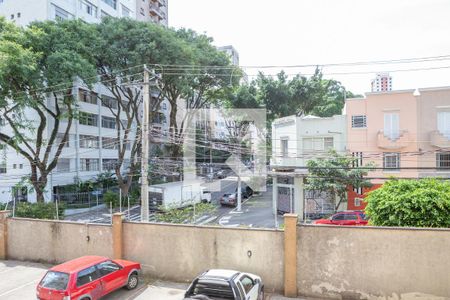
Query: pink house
x,y
406,134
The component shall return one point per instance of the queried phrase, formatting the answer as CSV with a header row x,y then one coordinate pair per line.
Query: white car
x,y
219,284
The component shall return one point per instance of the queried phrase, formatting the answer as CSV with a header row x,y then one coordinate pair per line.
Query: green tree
x,y
38,65
412,203
334,173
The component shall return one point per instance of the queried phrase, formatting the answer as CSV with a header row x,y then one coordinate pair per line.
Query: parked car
x,y
87,278
349,218
231,198
226,284
206,196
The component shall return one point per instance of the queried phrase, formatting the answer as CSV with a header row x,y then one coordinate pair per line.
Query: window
x,y
359,121
21,166
109,164
391,126
109,102
87,275
328,143
107,267
18,14
391,160
443,119
110,143
350,217
14,166
59,140
55,281
339,217
3,167
12,16
284,147
63,165
112,3
247,283
357,159
142,11
88,8
2,122
60,14
89,164
358,201
164,106
89,141
88,119
87,96
126,12
443,160
318,144
108,122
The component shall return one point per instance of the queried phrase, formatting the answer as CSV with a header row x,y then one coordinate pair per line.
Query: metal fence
x,y
82,199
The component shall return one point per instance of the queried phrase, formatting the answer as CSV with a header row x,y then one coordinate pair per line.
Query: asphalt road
x,y
256,211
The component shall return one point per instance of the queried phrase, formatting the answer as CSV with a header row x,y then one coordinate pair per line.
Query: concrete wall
x,y
373,263
56,242
180,253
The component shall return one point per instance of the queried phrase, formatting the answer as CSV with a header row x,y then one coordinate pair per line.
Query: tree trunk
x,y
39,188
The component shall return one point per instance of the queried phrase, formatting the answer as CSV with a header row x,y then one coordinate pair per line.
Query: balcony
x,y
439,140
386,142
156,11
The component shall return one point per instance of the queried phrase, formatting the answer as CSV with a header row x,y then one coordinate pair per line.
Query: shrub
x,y
185,214
39,210
413,203
111,198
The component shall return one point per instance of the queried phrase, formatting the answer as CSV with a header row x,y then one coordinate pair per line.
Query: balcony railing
x,y
385,141
439,140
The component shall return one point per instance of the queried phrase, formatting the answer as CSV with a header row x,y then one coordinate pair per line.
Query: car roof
x,y
78,264
220,274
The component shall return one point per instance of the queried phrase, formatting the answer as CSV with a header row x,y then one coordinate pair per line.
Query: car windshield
x,y
55,281
213,289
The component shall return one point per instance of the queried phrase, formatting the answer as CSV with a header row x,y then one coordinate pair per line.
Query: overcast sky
x,y
298,32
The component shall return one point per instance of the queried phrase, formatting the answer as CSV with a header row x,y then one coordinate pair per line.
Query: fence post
x,y
290,255
3,233
117,220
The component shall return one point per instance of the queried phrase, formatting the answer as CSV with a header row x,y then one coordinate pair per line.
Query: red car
x,y
87,278
349,218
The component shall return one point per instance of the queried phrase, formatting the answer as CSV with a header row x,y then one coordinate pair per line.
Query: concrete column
x,y
3,233
290,255
117,235
299,195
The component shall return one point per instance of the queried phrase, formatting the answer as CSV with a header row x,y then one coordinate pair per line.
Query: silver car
x,y
219,284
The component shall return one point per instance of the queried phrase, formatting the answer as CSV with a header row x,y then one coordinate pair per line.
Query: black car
x,y
226,284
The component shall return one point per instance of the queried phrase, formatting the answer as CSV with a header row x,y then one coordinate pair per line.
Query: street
x,y
256,211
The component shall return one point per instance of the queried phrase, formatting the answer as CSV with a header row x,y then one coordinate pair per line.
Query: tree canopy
x,y
411,203
334,173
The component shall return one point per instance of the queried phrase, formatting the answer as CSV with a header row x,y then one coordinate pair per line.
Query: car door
x,y
89,284
251,289
112,276
338,219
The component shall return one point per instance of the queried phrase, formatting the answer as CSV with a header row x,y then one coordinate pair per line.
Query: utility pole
x,y
145,147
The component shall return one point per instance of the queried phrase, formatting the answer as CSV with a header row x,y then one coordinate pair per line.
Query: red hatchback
x,y
87,278
349,218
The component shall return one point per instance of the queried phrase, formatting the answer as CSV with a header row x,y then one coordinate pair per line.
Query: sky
x,y
317,32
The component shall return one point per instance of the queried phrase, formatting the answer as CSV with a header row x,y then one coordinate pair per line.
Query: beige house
x,y
406,133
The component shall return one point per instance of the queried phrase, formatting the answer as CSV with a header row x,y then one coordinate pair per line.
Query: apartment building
x,y
382,83
23,12
295,140
405,133
152,11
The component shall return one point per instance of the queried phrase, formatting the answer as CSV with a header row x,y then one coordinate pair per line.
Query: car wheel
x,y
133,282
261,295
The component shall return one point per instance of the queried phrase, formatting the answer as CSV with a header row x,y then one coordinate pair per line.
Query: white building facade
x,y
23,12
92,145
295,140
